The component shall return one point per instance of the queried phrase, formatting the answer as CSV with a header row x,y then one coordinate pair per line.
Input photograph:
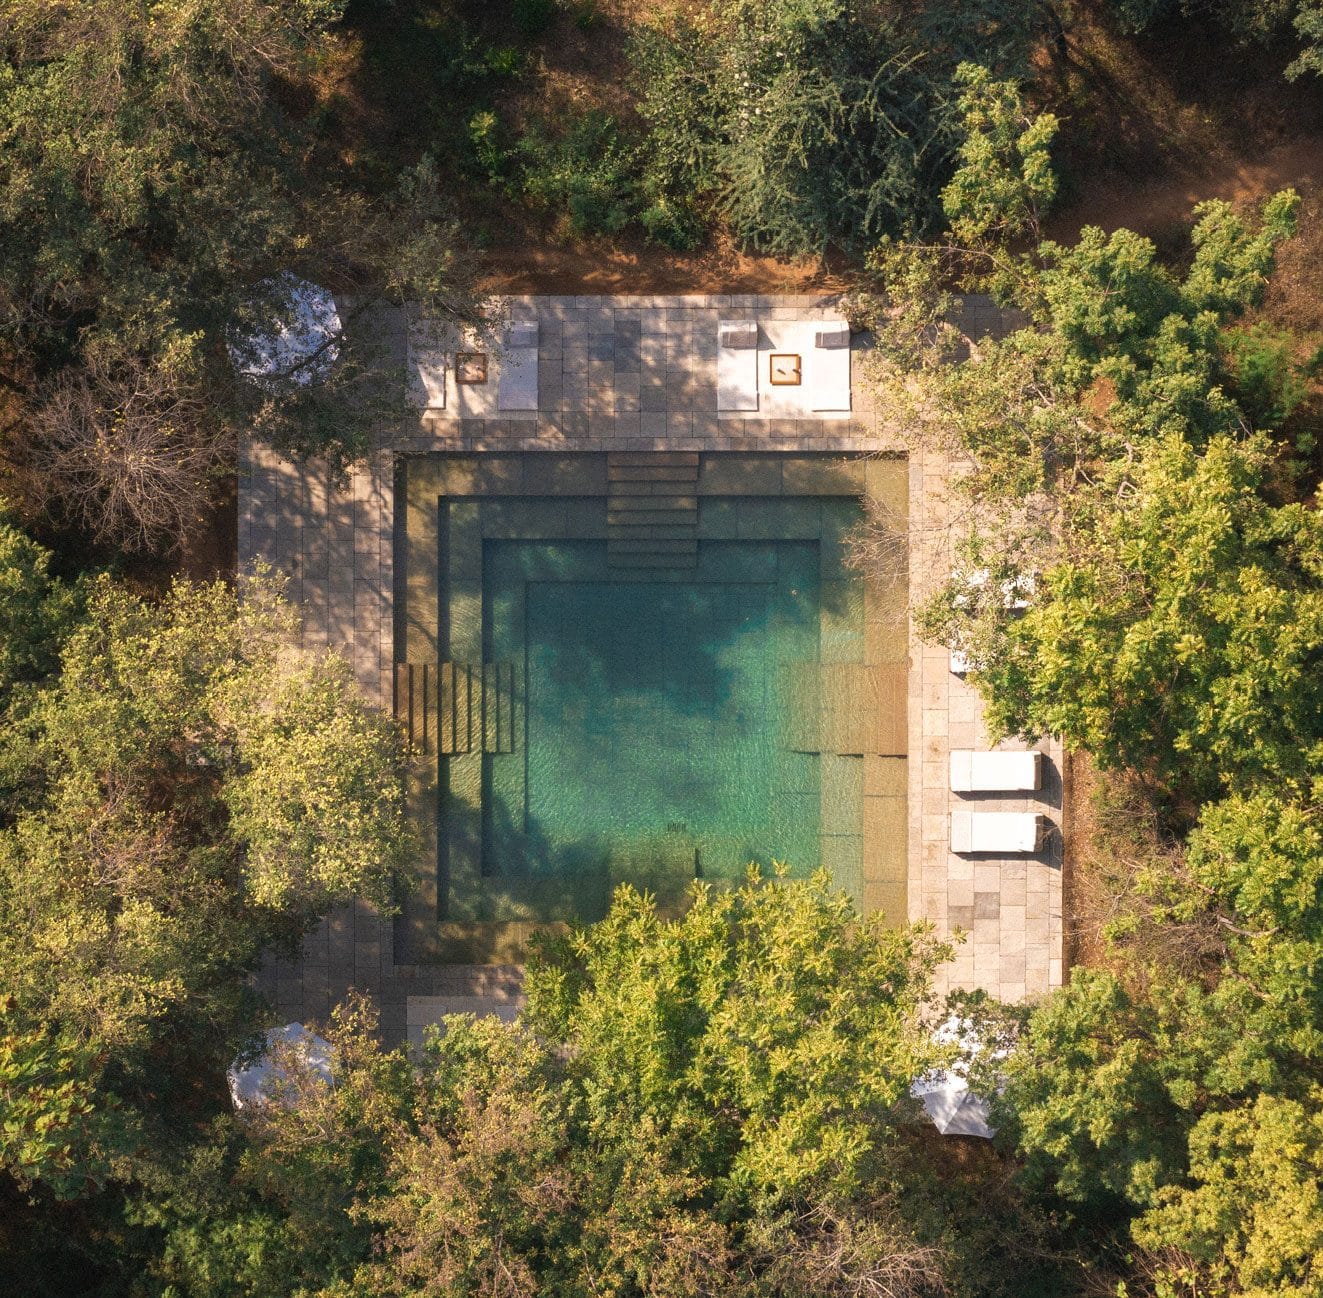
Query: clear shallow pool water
x,y
654,743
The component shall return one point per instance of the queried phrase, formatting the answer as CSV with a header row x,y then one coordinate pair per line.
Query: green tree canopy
x,y
717,1103
162,178
184,792
805,125
1170,627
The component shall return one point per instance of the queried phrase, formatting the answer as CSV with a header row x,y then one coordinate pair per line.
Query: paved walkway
x,y
335,544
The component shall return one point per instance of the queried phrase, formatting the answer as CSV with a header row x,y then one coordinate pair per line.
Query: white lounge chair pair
x,y
1003,832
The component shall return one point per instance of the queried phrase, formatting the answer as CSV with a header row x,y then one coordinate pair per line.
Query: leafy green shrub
x,y
672,222
588,175
502,61
491,148
1270,383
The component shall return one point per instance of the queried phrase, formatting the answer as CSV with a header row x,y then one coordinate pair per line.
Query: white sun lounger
x,y
829,366
429,361
517,381
998,772
1003,833
737,365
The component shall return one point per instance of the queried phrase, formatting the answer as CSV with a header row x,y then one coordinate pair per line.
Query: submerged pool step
x,y
666,525
648,518
652,509
657,545
628,489
629,504
649,459
616,559
454,708
641,473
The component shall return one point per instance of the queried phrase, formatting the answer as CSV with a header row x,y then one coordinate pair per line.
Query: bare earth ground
x,y
546,267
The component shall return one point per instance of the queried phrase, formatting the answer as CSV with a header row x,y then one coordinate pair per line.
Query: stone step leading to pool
x,y
652,509
648,518
629,504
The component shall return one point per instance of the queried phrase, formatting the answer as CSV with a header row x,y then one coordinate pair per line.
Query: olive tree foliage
x,y
181,793
1173,631
803,125
35,611
711,1104
159,183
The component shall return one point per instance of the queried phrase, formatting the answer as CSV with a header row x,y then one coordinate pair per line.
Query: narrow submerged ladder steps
x,y
455,708
652,509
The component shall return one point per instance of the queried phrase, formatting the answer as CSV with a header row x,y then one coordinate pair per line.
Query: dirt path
x,y
1158,207
551,268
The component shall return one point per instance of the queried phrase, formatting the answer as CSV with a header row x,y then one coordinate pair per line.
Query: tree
x,y
809,125
1252,1212
182,794
714,1103
35,610
158,185
1180,635
125,450
1141,576
1106,457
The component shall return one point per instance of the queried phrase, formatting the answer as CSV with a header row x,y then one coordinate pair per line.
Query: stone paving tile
x,y
634,373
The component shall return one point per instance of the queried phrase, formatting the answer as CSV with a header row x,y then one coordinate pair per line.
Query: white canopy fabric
x,y
304,331
954,1109
258,1082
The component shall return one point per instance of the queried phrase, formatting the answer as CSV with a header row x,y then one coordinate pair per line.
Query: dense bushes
x,y
803,126
711,1105
792,127
159,179
181,792
1173,632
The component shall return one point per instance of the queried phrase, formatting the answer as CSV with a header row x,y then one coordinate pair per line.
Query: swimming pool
x,y
651,710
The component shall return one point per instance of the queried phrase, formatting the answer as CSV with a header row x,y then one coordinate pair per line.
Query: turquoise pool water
x,y
653,743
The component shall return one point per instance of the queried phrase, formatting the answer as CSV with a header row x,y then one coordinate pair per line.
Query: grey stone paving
x,y
634,373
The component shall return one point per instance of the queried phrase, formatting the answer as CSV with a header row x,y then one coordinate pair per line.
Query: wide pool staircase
x,y
652,509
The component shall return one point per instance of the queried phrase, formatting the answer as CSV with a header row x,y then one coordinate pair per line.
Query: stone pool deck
x,y
336,546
